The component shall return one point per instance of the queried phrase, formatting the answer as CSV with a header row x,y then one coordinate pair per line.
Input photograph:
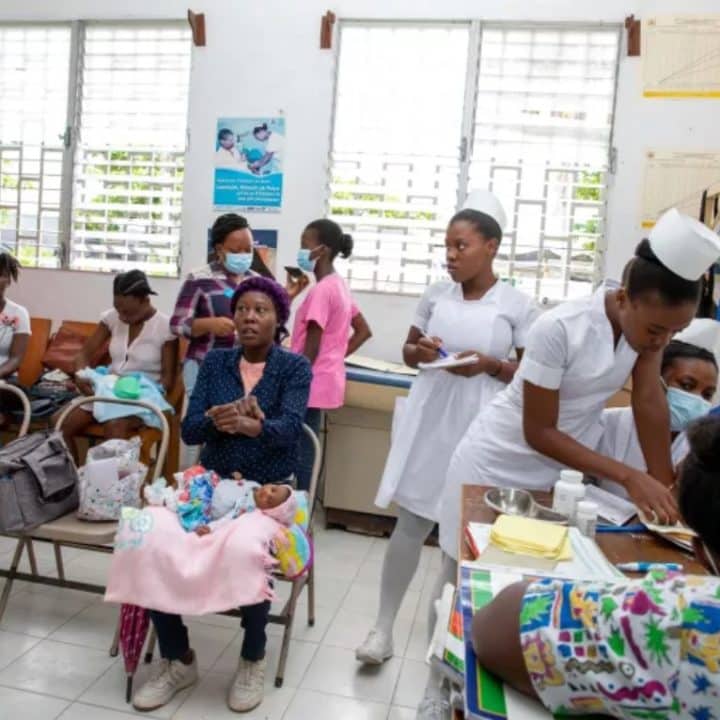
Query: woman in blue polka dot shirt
x,y
249,402
247,409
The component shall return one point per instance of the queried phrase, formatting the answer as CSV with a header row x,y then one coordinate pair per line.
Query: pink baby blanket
x,y
157,565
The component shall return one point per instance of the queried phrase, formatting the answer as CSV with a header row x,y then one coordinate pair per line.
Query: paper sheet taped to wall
x,y
681,56
677,179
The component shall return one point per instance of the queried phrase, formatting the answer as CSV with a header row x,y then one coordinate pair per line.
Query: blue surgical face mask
x,y
305,263
238,263
684,408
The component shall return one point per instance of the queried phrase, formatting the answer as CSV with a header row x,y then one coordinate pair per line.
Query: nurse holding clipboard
x,y
474,314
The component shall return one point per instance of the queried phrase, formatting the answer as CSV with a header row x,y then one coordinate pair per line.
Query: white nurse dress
x,y
441,405
570,349
620,441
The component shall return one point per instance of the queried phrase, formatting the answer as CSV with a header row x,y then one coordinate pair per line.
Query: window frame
x,y
69,139
469,110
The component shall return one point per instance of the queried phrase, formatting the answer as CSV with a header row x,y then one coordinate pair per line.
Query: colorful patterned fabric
x,y
646,648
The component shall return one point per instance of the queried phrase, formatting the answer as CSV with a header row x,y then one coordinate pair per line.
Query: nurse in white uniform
x,y
690,374
576,357
473,313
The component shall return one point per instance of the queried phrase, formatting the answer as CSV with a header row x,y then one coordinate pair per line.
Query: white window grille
x,y
34,64
130,154
542,134
394,165
107,177
426,112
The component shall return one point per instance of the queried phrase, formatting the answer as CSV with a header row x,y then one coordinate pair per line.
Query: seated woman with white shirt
x,y
14,332
140,341
689,371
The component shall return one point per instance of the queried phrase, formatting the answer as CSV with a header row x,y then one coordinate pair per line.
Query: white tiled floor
x,y
54,661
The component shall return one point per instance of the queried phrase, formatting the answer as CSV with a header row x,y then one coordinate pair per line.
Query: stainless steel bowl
x,y
512,501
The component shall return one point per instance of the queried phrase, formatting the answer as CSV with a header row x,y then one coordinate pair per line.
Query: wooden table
x,y
618,547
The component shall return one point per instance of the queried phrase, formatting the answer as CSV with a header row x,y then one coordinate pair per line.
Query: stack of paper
x,y
533,538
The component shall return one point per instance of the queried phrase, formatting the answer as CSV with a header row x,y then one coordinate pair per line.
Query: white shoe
x,y
248,688
376,649
170,678
432,708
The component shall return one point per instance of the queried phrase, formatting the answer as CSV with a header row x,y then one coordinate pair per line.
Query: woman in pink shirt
x,y
322,329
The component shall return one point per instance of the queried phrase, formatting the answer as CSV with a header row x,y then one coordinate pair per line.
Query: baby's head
x,y
277,501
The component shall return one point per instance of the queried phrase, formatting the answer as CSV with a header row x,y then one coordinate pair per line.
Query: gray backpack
x,y
38,481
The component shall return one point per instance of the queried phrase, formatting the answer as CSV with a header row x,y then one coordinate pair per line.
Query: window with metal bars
x,y
426,112
92,142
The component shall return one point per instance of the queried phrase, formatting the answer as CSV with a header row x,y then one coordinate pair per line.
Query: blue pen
x,y
441,350
621,529
640,567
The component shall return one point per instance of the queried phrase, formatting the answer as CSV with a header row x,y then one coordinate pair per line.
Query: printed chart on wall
x,y
265,251
249,153
677,179
681,57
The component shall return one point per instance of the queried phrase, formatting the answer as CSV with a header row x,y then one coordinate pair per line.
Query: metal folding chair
x,y
68,531
286,616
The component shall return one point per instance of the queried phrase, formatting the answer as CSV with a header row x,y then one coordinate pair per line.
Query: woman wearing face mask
x,y
690,374
322,329
202,310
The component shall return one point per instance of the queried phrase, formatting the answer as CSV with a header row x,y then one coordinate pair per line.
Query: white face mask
x,y
685,407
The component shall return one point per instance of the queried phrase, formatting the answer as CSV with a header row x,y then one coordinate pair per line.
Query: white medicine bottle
x,y
569,491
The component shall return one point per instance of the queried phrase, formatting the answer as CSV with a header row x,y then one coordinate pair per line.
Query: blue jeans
x,y
313,419
174,641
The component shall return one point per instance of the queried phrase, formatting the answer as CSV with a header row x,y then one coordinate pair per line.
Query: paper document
x,y
613,508
369,363
676,179
449,362
681,56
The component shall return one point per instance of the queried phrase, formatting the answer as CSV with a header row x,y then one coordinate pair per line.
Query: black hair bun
x,y
346,245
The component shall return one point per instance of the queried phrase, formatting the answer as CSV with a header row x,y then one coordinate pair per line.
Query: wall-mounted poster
x,y
248,163
265,251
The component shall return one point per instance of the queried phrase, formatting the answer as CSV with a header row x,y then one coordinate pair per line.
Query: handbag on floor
x,y
38,481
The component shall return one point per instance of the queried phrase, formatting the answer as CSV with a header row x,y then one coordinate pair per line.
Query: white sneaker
x,y
432,708
376,649
169,679
248,688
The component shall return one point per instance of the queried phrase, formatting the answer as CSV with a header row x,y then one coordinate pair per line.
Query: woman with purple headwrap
x,y
247,411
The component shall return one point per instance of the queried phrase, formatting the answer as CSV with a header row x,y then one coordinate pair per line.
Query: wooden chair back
x,y
31,367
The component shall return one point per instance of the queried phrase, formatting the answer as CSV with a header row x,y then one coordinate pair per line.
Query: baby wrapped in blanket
x,y
208,503
159,564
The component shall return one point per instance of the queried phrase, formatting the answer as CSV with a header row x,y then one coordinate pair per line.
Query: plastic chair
x,y
68,531
286,616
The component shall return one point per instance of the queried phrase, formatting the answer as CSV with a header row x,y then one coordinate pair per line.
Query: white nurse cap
x,y
684,245
701,332
485,202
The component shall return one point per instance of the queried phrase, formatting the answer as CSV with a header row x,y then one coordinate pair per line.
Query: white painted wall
x,y
263,57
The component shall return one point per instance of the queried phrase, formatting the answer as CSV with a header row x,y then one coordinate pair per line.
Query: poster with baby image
x,y
248,163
